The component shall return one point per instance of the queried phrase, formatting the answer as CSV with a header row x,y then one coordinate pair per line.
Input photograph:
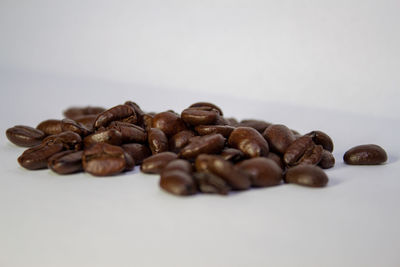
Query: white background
x,y
328,65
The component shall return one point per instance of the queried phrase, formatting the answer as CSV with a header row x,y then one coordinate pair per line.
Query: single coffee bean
x,y
74,112
211,183
307,175
178,183
327,160
297,149
87,121
321,138
158,141
207,144
147,121
207,104
259,125
73,126
249,141
109,136
234,176
225,130
130,133
25,136
122,113
232,154
50,127
130,162
178,164
262,171
277,159
232,122
200,116
312,155
66,162
35,158
103,159
69,140
279,137
369,154
168,122
156,162
139,112
180,140
138,152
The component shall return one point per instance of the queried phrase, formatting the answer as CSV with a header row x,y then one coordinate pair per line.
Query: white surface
x,y
48,220
323,53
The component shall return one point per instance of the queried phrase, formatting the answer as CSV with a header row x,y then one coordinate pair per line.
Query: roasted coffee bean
x,y
262,171
232,154
200,116
138,152
297,149
139,112
122,113
73,126
232,122
180,140
35,158
69,140
277,159
87,121
321,138
178,164
327,160
307,175
207,144
147,121
103,159
158,141
168,122
249,141
109,136
211,183
66,162
369,154
279,137
155,163
225,130
311,156
259,125
25,136
178,183
130,133
74,112
207,104
130,162
216,165
50,127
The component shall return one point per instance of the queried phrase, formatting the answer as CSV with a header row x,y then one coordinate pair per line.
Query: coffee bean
x,y
73,126
369,154
249,141
69,140
207,144
232,122
158,142
327,160
312,155
262,171
130,133
168,122
25,136
321,138
74,112
277,159
122,113
200,116
259,125
138,111
66,162
147,121
109,136
232,154
207,104
180,140
307,175
279,137
138,152
156,162
178,183
211,183
178,164
50,127
103,159
35,158
87,121
297,149
224,130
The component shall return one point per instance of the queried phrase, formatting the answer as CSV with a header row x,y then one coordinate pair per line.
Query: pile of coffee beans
x,y
198,150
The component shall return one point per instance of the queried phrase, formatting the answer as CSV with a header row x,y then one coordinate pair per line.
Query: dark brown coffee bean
x,y
207,144
279,137
158,141
225,130
232,122
180,140
130,162
122,113
321,138
25,136
130,133
249,141
369,154
178,183
74,112
259,125
327,160
297,149
50,127
211,183
200,116
35,158
232,154
216,165
178,164
69,140
109,136
87,121
66,162
168,122
138,152
139,112
103,159
312,155
207,104
73,126
277,159
155,163
307,175
147,121
263,172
